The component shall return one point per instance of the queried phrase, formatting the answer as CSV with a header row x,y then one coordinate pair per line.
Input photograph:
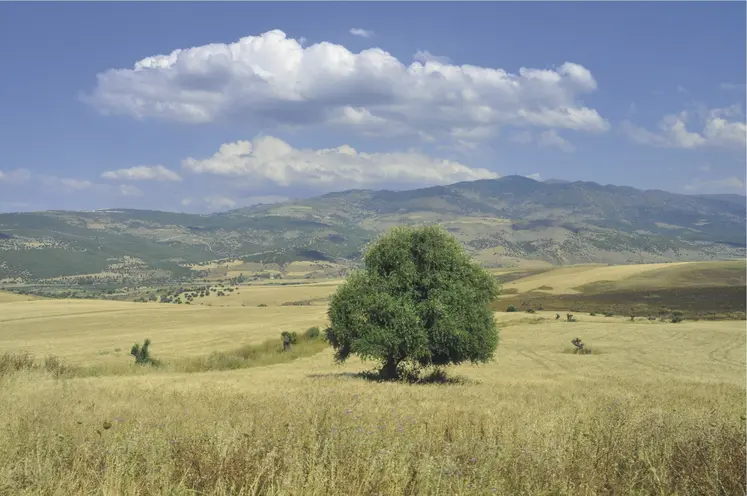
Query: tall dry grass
x,y
660,411
348,436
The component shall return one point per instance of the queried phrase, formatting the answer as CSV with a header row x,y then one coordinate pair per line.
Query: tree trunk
x,y
389,370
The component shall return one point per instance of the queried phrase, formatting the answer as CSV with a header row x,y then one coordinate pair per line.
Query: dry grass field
x,y
576,278
101,332
684,275
7,297
657,408
272,294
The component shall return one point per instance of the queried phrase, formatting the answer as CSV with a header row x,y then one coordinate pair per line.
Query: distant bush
x,y
531,310
312,333
609,314
580,348
511,308
262,305
288,339
142,353
592,314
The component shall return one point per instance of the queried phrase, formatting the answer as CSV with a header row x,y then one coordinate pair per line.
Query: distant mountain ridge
x,y
498,220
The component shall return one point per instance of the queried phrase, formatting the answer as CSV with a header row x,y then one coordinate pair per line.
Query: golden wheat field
x,y
100,332
658,408
274,294
569,279
6,297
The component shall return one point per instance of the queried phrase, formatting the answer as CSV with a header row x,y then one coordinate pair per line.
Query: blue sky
x,y
268,101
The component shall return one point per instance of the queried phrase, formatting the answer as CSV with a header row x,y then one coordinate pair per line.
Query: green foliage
x,y
312,333
419,301
289,337
142,353
511,308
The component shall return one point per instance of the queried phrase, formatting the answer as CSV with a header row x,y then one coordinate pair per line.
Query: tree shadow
x,y
434,377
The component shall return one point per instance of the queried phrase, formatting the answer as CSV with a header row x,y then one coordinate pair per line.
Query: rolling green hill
x,y
498,220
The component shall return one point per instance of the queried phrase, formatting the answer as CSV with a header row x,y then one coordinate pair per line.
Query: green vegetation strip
x,y
270,352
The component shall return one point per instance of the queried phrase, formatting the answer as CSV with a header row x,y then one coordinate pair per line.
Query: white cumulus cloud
x,y
363,33
552,138
271,80
143,173
270,159
129,190
719,128
16,176
424,56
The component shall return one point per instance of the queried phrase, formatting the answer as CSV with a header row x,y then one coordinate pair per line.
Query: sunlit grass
x,y
660,411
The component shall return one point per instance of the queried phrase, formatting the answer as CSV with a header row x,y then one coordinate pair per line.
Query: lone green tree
x,y
419,299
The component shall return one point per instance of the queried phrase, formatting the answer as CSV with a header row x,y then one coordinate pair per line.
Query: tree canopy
x,y
419,299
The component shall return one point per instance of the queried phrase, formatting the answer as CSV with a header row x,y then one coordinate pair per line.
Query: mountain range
x,y
499,221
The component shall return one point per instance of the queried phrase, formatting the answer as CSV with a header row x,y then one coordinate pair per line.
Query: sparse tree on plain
x,y
420,300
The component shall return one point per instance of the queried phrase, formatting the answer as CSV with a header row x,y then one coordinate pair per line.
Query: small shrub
x,y
592,314
580,348
55,366
142,353
609,314
531,310
312,333
14,362
511,308
262,305
288,338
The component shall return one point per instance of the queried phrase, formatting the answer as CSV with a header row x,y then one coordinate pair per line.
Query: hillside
x,y
500,221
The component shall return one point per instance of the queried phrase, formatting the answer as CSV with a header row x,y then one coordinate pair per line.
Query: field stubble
x,y
659,410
